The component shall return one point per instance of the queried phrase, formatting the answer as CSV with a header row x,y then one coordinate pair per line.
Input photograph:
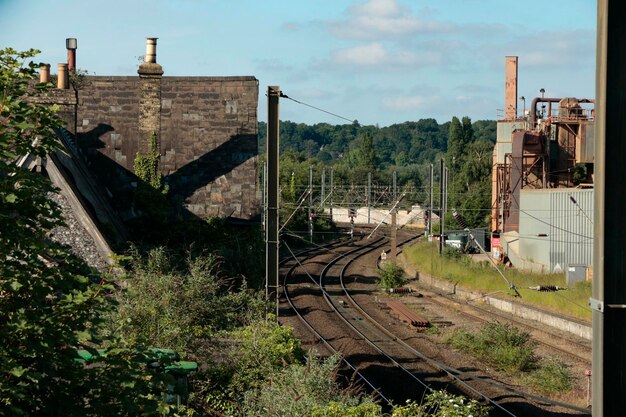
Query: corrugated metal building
x,y
556,227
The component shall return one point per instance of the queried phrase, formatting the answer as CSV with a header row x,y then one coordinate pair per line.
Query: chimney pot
x,y
44,74
71,43
150,57
63,78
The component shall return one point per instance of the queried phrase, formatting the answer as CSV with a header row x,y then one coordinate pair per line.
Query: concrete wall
x,y
207,130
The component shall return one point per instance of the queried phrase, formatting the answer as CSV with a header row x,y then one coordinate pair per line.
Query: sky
x,y
376,61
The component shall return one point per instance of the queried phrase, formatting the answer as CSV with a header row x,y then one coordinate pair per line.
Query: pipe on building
x,y
71,45
549,100
150,57
63,82
44,74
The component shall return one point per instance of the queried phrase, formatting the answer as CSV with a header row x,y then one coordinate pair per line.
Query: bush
x,y
501,345
390,275
442,404
180,309
551,376
249,356
336,409
297,389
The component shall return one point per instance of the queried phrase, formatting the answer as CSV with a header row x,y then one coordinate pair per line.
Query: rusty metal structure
x,y
551,145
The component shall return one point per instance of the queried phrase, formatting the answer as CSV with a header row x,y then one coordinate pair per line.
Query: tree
x,y
469,162
51,303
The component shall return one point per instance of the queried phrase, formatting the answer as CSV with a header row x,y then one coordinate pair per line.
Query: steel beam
x,y
271,235
609,265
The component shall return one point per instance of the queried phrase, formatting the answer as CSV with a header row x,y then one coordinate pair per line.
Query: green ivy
x,y
147,166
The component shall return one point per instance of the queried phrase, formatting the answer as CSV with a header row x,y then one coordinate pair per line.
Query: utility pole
x,y
395,190
442,169
430,207
330,202
323,191
394,234
369,197
271,235
311,203
608,300
264,199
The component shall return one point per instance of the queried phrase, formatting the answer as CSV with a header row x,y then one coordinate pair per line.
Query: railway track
x,y
576,350
379,340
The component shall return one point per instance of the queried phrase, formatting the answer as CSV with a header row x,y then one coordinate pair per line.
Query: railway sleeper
x,y
407,315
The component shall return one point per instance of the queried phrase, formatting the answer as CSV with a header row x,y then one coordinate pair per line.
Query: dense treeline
x,y
407,148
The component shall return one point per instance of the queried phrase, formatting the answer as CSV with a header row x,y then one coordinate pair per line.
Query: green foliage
x,y
147,166
253,354
297,389
442,404
469,183
52,303
337,409
551,376
390,275
501,345
151,192
180,307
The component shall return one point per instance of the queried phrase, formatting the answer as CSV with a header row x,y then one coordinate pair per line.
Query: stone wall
x,y
207,131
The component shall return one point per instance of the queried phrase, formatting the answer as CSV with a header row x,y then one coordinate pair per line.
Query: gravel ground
x,y
75,236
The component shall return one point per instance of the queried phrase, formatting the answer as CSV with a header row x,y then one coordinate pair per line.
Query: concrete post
x,y
394,234
395,189
369,197
323,191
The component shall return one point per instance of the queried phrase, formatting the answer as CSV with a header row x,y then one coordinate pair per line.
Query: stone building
x,y
206,130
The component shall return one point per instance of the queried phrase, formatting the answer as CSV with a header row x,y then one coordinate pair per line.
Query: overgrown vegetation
x,y
461,269
551,376
181,305
391,275
511,350
501,345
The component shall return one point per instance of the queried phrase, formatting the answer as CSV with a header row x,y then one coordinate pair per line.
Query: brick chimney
x,y
510,88
150,75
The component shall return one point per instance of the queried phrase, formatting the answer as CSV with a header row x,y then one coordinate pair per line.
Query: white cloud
x,y
371,54
406,103
376,55
376,19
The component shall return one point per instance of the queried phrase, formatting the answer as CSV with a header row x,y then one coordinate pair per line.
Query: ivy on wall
x,y
147,166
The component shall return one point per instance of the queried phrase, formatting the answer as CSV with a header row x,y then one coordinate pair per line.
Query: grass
x,y
512,351
483,277
503,346
550,377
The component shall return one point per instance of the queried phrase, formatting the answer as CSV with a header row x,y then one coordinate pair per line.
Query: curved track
x,y
375,340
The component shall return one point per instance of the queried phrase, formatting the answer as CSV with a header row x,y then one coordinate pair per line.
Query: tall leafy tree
x,y
469,164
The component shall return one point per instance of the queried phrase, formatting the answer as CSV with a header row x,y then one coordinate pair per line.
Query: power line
x,y
316,108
